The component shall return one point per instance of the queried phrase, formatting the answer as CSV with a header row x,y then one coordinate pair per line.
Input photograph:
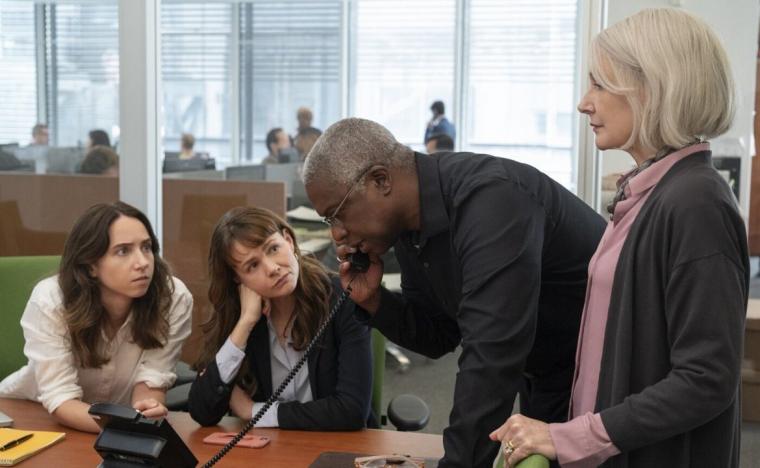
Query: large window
x,y
61,63
196,46
403,60
18,89
60,67
520,99
233,70
290,57
273,55
83,70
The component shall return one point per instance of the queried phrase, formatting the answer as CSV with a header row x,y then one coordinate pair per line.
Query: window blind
x,y
404,60
83,69
195,63
290,57
18,89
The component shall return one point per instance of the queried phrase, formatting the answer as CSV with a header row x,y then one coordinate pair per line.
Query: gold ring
x,y
509,448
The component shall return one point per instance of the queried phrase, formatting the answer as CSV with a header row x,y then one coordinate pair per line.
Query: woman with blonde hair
x,y
269,301
109,327
659,354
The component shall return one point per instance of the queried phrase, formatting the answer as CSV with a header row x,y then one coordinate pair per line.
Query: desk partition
x,y
191,209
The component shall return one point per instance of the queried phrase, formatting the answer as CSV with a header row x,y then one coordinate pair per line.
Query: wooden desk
x,y
287,448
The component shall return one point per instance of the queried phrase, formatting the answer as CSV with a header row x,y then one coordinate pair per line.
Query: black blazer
x,y
340,376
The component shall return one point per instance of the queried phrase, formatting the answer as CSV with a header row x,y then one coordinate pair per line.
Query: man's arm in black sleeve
x,y
498,238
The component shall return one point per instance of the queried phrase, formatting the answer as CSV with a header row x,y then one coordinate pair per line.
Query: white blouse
x,y
52,376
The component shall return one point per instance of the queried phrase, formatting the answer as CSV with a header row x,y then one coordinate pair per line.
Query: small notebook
x,y
39,441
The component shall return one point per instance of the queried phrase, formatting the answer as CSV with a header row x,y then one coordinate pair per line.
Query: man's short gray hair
x,y
349,147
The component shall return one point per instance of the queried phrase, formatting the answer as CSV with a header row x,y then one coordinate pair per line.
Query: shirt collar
x,y
433,216
649,177
273,335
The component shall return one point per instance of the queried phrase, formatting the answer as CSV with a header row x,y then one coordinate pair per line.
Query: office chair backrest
x,y
18,276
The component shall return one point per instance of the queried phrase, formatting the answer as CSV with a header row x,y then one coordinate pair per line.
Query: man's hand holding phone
x,y
365,288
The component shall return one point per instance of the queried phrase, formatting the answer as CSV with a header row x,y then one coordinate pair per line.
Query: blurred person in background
x,y
100,160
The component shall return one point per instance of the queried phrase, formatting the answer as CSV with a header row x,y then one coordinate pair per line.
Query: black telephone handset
x,y
129,439
359,261
359,264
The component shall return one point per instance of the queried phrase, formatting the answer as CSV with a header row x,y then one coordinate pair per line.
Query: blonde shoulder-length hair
x,y
674,72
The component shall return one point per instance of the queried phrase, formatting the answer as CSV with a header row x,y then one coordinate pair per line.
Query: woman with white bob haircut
x,y
659,353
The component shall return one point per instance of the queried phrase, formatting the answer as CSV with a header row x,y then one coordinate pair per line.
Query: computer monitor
x,y
63,160
287,173
186,165
171,154
298,196
250,172
36,153
288,155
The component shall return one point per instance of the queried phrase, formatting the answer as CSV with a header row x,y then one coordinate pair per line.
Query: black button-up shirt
x,y
499,265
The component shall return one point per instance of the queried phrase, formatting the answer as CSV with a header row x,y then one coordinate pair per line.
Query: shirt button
x,y
427,265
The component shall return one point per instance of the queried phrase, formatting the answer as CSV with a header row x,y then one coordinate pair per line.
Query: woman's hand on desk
x,y
151,408
241,404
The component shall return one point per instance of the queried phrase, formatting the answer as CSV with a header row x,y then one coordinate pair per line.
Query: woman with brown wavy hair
x,y
269,301
110,325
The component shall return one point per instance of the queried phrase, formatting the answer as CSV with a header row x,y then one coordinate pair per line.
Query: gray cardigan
x,y
670,374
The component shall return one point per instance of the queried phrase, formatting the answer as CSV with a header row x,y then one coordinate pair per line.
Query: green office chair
x,y
18,276
533,461
406,412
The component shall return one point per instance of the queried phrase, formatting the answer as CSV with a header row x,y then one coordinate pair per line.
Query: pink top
x,y
583,441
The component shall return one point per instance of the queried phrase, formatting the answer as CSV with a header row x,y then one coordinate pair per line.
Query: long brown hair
x,y
252,227
84,313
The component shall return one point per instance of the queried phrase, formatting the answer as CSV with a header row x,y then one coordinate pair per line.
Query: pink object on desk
x,y
249,441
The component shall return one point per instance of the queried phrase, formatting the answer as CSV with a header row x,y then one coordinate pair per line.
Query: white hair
x,y
349,147
674,72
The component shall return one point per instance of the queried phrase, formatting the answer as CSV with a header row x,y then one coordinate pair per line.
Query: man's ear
x,y
381,179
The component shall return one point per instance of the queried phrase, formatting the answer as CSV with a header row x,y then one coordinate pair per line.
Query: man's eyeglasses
x,y
330,220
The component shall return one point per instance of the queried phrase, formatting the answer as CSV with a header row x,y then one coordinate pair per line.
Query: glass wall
x,y
196,52
18,90
60,80
520,101
290,57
